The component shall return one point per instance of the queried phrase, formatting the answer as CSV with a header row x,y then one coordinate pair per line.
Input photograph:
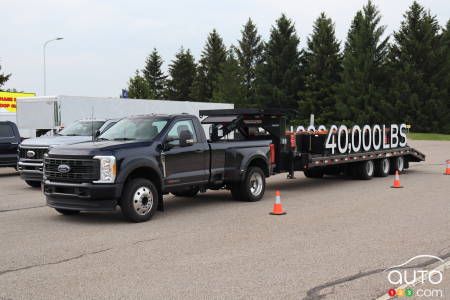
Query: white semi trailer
x,y
40,114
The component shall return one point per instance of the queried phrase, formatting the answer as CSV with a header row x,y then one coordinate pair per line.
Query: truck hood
x,y
55,140
96,148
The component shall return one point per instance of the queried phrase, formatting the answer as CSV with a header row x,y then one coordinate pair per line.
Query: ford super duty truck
x,y
31,151
142,158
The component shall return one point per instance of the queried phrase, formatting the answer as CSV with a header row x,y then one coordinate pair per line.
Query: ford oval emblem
x,y
63,169
30,154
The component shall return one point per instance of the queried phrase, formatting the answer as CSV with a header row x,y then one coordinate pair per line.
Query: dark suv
x,y
9,141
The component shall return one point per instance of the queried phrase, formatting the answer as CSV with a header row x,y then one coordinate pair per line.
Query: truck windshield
x,y
135,129
82,128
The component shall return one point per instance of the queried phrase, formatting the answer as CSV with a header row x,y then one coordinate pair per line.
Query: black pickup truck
x,y
141,158
9,141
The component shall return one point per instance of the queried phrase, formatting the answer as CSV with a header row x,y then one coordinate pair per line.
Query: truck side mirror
x,y
97,133
186,138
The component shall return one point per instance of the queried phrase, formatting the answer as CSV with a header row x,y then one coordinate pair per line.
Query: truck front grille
x,y
32,153
78,171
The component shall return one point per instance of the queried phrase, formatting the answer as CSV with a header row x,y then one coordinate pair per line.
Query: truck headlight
x,y
107,169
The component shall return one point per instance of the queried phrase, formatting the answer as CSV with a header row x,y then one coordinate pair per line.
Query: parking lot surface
x,y
336,240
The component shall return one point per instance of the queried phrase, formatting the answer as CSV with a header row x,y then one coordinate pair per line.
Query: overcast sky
x,y
105,41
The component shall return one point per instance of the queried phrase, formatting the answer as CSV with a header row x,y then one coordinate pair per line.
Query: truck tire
x,y
397,164
35,184
314,173
252,187
67,212
139,200
365,170
382,167
191,192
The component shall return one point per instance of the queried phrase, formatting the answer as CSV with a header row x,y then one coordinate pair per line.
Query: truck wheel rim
x,y
400,164
369,167
385,166
256,184
142,200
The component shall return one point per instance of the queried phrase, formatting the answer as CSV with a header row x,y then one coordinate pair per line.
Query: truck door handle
x,y
198,151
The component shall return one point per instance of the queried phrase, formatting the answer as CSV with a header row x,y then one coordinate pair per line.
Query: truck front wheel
x,y
252,188
139,200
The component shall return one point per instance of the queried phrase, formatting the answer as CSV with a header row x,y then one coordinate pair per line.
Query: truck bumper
x,y
83,196
30,171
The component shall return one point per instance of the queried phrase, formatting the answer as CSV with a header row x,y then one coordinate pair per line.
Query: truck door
x,y
185,165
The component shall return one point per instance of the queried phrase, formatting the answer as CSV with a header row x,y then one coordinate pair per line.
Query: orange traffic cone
x,y
397,184
447,170
277,208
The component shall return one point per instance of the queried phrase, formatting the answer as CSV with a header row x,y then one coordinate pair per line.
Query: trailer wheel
x,y
314,173
365,170
252,188
139,200
397,164
382,167
191,192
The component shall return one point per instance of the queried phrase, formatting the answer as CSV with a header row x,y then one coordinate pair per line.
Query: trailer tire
x,y
397,164
382,167
35,184
314,173
252,187
139,200
365,170
191,192
67,212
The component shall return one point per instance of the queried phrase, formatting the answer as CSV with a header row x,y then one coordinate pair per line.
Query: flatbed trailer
x,y
286,157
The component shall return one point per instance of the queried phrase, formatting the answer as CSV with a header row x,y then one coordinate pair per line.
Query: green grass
x,y
429,136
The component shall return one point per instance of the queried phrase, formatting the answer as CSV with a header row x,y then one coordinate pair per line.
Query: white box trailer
x,y
51,112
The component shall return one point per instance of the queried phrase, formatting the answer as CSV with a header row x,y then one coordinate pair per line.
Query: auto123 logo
x,y
408,274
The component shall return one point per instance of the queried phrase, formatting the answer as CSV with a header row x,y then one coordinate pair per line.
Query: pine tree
x,y
231,83
138,87
322,67
278,78
362,93
210,66
416,67
182,73
445,83
249,55
154,76
3,78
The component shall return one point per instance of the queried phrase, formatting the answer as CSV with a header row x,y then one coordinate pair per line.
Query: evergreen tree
x,y
249,55
182,73
154,76
138,87
322,62
278,78
231,83
361,95
3,78
445,83
418,68
210,66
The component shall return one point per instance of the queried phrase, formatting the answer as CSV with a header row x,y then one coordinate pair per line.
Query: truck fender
x,y
128,166
250,159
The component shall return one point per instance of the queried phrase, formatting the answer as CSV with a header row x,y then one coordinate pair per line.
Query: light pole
x,y
44,48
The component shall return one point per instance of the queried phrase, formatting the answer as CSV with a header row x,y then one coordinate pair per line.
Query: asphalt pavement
x,y
335,242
